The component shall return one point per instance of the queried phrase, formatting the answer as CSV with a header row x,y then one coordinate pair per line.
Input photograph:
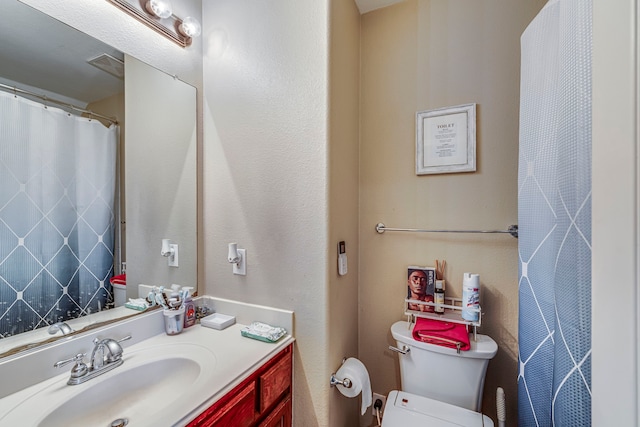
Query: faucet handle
x,y
60,326
77,358
79,369
115,349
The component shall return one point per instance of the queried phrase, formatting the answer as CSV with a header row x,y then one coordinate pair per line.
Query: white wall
x,y
160,176
265,171
615,292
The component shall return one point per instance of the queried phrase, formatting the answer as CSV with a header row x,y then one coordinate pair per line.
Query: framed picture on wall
x,y
446,140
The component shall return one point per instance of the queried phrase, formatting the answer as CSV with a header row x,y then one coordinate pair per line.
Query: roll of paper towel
x,y
356,372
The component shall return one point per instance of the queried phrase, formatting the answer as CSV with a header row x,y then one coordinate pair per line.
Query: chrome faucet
x,y
105,356
60,326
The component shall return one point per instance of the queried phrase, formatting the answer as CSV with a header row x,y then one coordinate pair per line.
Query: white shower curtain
x,y
57,191
554,210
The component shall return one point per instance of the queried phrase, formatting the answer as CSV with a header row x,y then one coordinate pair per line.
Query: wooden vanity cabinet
x,y
262,400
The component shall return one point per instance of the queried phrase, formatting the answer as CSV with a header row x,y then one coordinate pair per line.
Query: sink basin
x,y
149,382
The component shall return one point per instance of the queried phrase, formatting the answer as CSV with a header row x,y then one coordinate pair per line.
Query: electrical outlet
x,y
382,398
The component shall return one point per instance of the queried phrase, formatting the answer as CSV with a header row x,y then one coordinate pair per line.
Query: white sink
x,y
150,381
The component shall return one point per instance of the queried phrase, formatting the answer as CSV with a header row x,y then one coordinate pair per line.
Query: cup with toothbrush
x,y
173,310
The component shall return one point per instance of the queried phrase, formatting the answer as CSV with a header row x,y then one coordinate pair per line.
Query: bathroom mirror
x,y
157,149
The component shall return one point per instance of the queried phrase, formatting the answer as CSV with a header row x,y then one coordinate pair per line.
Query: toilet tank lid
x,y
482,348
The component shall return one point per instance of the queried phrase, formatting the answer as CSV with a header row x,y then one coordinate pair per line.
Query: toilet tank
x,y
441,373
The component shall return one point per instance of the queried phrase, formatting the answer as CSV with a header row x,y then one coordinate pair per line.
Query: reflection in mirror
x,y
48,273
59,201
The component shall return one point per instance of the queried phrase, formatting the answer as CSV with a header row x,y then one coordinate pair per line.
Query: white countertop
x,y
234,358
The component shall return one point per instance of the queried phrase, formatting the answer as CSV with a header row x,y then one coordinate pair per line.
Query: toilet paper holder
x,y
334,381
346,383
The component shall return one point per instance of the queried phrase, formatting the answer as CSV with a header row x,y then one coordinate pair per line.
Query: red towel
x,y
447,334
120,279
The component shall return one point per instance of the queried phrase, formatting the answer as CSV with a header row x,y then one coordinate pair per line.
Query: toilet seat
x,y
407,410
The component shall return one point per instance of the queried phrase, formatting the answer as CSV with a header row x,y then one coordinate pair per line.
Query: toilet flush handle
x,y
404,350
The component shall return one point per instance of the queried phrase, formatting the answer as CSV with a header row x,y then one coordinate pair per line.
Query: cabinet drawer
x,y
280,416
264,398
237,411
275,381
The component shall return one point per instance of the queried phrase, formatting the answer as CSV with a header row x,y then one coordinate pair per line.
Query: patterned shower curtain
x,y
57,191
554,216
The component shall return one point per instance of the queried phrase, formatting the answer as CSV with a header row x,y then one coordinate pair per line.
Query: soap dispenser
x,y
189,308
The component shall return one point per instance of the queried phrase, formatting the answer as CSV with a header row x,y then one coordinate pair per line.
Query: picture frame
x,y
446,140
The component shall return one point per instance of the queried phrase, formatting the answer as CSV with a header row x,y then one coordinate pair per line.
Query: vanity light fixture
x,y
158,15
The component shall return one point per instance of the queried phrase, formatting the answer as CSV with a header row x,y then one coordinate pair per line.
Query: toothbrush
x,y
151,298
183,297
160,300
164,296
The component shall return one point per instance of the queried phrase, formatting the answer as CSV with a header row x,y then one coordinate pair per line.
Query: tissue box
x,y
218,321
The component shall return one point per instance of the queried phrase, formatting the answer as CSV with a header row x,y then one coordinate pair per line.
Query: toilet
x,y
119,294
439,386
119,287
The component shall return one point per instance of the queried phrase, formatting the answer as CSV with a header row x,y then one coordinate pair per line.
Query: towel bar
x,y
512,229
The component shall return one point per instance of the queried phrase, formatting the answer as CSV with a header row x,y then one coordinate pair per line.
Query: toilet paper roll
x,y
356,372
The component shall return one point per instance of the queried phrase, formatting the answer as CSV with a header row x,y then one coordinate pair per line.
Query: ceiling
x,y
39,52
365,6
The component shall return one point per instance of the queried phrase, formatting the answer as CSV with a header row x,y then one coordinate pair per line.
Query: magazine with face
x,y
421,286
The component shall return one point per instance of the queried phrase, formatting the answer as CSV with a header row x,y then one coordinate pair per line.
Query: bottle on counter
x,y
438,297
189,308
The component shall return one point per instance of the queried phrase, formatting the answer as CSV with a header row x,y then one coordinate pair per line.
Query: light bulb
x,y
160,8
190,27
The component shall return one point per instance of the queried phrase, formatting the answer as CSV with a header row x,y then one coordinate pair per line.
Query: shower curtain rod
x,y
66,104
512,229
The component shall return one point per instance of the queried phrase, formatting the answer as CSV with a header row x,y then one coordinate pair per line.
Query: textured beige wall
x,y
344,85
265,167
419,55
